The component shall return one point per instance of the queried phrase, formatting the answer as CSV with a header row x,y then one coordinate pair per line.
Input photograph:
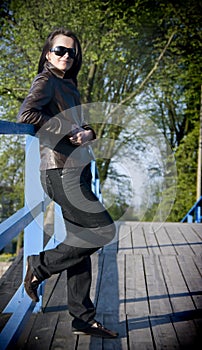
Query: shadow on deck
x,y
146,285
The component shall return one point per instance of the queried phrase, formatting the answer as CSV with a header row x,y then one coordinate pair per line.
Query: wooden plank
x,y
49,288
139,333
63,337
186,332
198,324
108,300
97,266
3,320
163,332
136,290
58,298
42,332
11,281
138,239
121,284
165,244
23,339
193,279
151,240
111,321
181,245
198,229
158,295
125,239
178,292
112,247
192,238
198,262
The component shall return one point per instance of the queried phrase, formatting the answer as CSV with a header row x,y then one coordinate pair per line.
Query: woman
x,y
53,106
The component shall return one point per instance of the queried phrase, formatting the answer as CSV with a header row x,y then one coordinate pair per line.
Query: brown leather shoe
x,y
31,287
97,330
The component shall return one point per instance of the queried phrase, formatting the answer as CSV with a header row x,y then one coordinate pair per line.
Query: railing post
x,y
189,219
198,214
34,233
95,180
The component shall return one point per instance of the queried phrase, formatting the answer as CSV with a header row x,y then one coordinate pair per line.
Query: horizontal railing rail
x,y
195,213
11,128
11,227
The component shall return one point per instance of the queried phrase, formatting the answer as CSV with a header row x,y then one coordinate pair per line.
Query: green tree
x,y
145,55
186,159
11,175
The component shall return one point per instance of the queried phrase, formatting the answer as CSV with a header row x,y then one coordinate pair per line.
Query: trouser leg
x,y
56,260
79,283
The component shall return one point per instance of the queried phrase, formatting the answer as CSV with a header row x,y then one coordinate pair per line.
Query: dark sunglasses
x,y
61,51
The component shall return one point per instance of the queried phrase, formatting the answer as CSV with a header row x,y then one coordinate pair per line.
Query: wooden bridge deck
x,y
146,285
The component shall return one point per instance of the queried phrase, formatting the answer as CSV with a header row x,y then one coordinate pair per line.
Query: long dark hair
x,y
73,72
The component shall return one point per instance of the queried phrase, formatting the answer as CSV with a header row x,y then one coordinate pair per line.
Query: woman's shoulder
x,y
42,82
45,74
45,77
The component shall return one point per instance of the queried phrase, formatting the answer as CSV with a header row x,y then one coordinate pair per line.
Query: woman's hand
x,y
81,137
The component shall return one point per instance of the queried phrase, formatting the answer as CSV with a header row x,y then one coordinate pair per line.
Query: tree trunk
x,y
91,76
19,243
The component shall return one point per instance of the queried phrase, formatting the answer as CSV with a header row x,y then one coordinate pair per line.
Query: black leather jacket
x,y
53,106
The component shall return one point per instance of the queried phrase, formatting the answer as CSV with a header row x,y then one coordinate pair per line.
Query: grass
x,y
6,257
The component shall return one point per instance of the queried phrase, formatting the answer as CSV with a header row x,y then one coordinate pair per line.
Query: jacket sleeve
x,y
32,109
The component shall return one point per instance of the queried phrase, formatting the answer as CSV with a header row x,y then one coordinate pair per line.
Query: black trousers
x,y
88,226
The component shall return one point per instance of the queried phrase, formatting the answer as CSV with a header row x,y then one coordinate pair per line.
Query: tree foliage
x,y
143,54
11,175
186,159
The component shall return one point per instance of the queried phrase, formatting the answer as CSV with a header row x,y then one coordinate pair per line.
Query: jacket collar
x,y
57,72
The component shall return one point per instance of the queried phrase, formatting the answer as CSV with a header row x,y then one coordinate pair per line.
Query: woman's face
x,y
63,62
